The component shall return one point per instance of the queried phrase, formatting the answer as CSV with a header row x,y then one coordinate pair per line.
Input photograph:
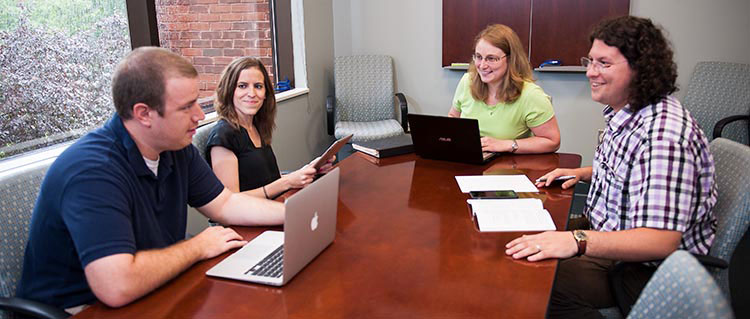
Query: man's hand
x,y
583,173
215,240
551,244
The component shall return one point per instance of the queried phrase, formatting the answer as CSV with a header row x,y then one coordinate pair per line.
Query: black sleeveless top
x,y
257,165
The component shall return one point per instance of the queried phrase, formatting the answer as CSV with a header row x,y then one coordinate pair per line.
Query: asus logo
x,y
445,139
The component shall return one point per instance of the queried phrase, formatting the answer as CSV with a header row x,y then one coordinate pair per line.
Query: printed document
x,y
517,183
522,214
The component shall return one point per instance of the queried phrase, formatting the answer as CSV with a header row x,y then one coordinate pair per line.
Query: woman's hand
x,y
490,144
550,244
583,173
301,177
327,167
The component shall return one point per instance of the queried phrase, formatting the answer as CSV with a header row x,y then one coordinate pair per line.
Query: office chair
x,y
719,127
732,209
719,90
681,288
18,190
363,104
200,139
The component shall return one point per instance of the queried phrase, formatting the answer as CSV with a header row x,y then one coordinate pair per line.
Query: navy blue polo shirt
x,y
99,199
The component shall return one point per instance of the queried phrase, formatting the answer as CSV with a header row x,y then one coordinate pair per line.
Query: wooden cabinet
x,y
548,29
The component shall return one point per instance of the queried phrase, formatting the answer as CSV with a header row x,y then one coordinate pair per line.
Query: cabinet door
x,y
464,19
561,28
548,29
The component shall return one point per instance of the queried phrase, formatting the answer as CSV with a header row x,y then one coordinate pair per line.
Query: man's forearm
x,y
636,245
242,209
585,173
120,279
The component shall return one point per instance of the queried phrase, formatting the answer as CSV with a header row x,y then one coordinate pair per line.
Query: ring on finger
x,y
538,248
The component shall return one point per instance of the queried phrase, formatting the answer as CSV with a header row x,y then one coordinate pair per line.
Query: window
x,y
57,56
56,60
283,48
212,33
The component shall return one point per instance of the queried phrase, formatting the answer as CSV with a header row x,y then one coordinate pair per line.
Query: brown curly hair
x,y
265,120
649,55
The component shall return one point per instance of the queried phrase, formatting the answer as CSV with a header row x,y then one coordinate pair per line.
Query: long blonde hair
x,y
518,71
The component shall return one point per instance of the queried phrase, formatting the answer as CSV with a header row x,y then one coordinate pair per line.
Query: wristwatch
x,y
580,238
514,146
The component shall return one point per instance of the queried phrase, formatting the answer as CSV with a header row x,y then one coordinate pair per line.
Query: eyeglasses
x,y
490,59
598,66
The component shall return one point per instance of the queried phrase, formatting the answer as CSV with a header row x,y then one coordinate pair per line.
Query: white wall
x,y
411,32
717,30
301,134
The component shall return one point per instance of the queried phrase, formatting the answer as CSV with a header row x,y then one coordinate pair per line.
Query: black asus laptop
x,y
448,138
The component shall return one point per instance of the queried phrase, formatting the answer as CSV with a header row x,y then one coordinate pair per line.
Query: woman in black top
x,y
239,145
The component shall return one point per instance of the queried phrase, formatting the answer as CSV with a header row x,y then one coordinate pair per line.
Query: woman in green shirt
x,y
515,115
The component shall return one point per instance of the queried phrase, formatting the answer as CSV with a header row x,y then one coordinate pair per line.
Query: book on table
x,y
391,146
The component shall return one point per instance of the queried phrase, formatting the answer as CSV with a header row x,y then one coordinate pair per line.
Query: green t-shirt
x,y
505,120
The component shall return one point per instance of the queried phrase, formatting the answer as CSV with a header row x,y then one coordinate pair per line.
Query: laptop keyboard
x,y
271,266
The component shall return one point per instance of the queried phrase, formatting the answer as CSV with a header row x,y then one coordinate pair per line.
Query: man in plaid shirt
x,y
652,182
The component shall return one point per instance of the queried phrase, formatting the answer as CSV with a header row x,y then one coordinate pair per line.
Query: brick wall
x,y
212,33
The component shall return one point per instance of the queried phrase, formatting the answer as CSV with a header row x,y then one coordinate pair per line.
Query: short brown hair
x,y
141,77
264,121
518,71
649,55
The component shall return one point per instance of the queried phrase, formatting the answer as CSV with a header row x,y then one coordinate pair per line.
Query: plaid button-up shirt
x,y
654,169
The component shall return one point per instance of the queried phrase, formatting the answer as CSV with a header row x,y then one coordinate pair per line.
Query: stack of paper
x,y
523,214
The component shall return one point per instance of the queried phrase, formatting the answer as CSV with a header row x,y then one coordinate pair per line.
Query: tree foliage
x,y
54,81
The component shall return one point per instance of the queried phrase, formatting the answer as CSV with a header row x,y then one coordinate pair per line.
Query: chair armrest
x,y
31,308
330,113
711,261
404,111
723,122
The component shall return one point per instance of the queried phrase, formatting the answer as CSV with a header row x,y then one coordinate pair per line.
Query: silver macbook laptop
x,y
274,257
448,138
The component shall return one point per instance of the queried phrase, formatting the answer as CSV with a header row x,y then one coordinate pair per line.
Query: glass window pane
x,y
56,63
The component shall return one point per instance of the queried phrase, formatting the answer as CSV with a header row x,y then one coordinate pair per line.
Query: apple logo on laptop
x,y
314,222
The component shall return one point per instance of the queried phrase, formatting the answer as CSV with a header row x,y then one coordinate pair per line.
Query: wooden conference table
x,y
405,247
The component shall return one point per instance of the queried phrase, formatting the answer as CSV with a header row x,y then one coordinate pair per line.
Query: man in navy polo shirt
x,y
110,220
